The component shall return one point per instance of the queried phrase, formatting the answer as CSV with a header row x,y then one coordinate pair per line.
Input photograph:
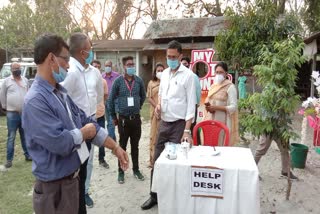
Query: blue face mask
x,y
90,57
107,69
131,71
59,77
173,64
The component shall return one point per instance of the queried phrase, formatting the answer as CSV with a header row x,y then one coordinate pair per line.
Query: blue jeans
x,y
14,123
102,153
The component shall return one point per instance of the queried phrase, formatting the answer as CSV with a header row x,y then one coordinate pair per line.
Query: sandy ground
x,y
113,198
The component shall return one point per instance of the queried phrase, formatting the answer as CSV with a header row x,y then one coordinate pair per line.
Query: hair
x,y
223,65
126,58
108,61
175,45
77,42
96,61
154,73
48,43
186,59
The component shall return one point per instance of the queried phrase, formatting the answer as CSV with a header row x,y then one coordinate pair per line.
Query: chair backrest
x,y
211,131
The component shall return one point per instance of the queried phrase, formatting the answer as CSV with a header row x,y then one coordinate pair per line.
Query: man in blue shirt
x,y
130,92
56,131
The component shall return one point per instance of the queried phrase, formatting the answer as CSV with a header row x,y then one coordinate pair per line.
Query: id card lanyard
x,y
83,151
130,99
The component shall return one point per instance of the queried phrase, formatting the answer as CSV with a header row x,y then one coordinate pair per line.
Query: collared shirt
x,y
84,86
121,92
110,79
13,93
51,136
101,106
178,94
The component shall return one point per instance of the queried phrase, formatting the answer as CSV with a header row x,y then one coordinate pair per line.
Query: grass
x,y
16,183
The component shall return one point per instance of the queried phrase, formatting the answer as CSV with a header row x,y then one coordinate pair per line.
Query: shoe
x,y
28,158
8,164
149,203
104,164
292,176
138,175
121,177
89,201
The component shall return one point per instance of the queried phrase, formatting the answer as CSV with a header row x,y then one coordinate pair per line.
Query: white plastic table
x,y
171,181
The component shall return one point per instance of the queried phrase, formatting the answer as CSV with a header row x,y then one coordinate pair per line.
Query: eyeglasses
x,y
66,58
130,65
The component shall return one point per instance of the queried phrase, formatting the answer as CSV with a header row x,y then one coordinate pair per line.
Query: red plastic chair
x,y
211,130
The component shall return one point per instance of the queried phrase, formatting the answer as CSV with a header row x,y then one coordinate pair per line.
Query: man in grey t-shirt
x,y
13,90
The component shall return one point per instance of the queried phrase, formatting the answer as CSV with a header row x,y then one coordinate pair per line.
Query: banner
x,y
204,57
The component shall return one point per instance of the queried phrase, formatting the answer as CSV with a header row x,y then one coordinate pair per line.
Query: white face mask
x,y
218,78
158,75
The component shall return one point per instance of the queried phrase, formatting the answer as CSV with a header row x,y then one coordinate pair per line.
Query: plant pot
x,y
299,154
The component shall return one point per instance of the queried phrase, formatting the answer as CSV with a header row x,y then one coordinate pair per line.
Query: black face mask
x,y
16,73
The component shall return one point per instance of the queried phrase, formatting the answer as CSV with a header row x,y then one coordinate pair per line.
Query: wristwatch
x,y
187,131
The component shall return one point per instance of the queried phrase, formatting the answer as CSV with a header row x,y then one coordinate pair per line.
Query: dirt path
x,y
113,198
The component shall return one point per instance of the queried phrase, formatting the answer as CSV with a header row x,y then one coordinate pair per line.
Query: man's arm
x,y
111,99
142,93
3,94
44,128
191,104
99,87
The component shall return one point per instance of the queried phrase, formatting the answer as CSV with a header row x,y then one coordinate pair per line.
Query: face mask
x,y
107,69
131,71
16,73
158,75
59,77
218,78
90,57
173,64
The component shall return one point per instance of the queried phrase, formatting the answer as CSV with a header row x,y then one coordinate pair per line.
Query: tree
x,y
249,30
52,16
274,106
203,8
17,25
311,15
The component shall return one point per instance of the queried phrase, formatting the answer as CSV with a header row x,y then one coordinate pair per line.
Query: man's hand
x,y
88,131
115,122
122,156
157,111
188,137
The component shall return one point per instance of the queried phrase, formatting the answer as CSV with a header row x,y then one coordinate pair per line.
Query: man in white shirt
x,y
14,89
177,101
85,87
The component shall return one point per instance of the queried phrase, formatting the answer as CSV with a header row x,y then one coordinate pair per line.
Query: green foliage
x,y
20,24
277,74
311,15
249,30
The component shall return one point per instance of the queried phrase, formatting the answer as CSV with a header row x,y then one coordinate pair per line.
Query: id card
x,y
130,101
83,152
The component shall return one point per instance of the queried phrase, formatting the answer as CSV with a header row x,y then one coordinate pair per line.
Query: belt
x,y
71,176
130,117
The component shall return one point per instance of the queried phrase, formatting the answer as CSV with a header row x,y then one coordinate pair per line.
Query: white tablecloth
x,y
171,181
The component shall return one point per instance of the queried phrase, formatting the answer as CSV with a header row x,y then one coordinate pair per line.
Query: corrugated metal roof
x,y
312,37
190,27
185,46
123,45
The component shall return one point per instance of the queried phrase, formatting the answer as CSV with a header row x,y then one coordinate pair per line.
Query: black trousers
x,y
130,127
102,123
168,132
